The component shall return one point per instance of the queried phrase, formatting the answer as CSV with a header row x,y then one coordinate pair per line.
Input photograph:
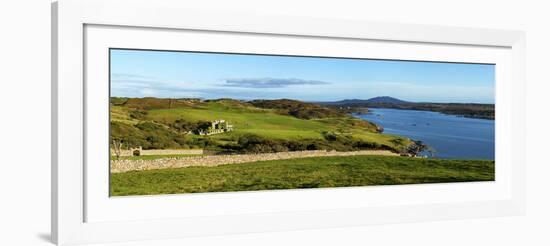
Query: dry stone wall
x,y
162,152
118,166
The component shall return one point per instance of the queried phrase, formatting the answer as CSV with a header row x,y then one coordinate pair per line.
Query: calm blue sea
x,y
451,136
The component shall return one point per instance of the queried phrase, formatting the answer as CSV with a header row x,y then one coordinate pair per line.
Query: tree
x,y
117,146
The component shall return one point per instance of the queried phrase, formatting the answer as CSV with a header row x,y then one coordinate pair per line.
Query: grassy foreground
x,y
315,172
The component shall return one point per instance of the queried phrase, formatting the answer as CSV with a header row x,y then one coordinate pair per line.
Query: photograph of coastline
x,y
193,122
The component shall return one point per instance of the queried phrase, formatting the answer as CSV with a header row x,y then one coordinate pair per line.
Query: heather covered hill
x,y
148,103
298,109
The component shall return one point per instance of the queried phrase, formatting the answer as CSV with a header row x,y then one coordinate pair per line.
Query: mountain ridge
x,y
379,99
470,110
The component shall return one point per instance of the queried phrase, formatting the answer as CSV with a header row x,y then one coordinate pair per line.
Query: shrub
x,y
249,139
182,125
148,135
258,148
202,125
279,148
298,109
367,145
296,145
128,134
251,143
138,114
205,143
330,136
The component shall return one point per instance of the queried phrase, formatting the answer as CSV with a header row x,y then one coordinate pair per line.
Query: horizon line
x,y
315,101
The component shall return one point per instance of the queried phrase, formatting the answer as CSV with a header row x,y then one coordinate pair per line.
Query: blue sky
x,y
136,73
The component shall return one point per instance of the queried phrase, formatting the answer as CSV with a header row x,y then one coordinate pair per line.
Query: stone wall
x,y
118,166
162,152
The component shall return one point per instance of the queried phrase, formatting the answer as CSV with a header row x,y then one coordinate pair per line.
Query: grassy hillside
x,y
298,109
316,172
163,123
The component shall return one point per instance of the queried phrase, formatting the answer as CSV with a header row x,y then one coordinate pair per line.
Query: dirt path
x,y
120,166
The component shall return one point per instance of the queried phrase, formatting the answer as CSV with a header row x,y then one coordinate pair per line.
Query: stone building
x,y
217,126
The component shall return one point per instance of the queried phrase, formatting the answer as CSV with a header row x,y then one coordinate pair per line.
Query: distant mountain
x,y
386,99
471,110
374,100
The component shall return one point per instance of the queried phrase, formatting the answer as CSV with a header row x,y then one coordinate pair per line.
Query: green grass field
x,y
267,123
316,172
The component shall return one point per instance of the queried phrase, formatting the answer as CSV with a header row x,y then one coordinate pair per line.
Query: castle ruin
x,y
217,126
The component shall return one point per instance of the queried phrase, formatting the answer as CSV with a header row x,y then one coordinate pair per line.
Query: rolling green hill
x,y
273,125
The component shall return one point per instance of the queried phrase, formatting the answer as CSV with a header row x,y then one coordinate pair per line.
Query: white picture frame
x,y
82,213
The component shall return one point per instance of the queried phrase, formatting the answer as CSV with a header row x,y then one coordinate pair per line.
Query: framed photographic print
x,y
172,123
192,122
